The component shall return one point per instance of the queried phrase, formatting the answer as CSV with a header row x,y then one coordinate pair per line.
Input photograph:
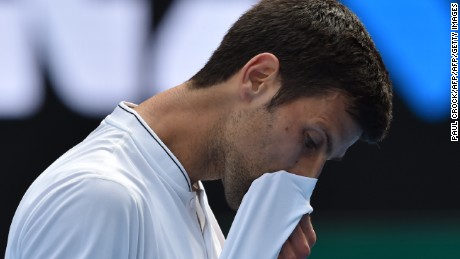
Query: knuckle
x,y
312,238
302,250
306,252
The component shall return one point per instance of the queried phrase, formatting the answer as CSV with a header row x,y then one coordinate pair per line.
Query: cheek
x,y
271,144
285,153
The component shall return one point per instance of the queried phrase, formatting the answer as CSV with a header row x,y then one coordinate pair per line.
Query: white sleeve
x,y
270,211
89,218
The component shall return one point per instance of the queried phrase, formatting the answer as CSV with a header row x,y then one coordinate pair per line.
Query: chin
x,y
234,205
236,185
234,197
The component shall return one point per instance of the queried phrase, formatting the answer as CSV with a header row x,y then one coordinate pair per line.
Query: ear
x,y
258,75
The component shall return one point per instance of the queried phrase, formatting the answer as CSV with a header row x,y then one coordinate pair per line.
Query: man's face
x,y
298,137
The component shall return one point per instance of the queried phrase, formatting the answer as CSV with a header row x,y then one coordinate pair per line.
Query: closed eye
x,y
309,143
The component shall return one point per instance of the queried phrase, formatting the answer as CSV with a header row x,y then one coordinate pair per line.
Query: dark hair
x,y
321,47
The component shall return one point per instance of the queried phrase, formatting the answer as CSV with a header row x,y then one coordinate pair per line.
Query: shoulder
x,y
83,196
97,193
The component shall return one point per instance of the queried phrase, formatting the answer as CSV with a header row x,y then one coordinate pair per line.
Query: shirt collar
x,y
155,151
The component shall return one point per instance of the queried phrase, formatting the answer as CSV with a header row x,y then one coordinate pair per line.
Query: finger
x,y
287,251
299,243
307,229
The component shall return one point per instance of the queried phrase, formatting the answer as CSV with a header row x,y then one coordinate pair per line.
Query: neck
x,y
187,121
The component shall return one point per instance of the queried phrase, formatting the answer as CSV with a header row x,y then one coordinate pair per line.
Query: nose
x,y
309,166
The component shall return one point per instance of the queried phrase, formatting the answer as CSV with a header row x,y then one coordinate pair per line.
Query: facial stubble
x,y
241,158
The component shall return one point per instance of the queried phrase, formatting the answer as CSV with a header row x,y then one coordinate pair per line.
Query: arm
x,y
270,212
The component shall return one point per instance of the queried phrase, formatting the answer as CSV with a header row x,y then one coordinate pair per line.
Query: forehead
x,y
325,105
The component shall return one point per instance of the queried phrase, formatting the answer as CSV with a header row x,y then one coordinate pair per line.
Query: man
x,y
293,84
